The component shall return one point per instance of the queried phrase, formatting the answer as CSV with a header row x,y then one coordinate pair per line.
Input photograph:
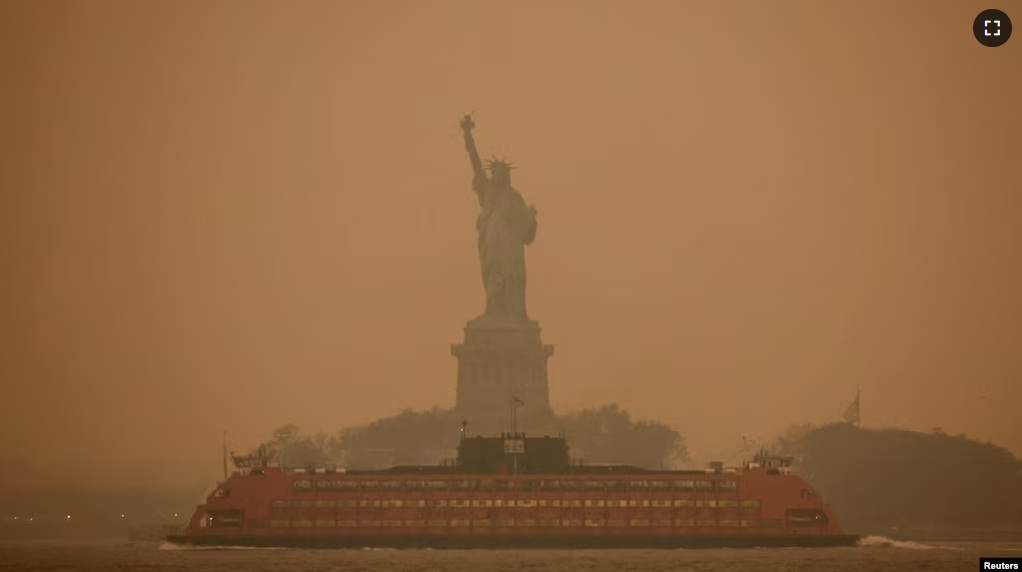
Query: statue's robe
x,y
506,225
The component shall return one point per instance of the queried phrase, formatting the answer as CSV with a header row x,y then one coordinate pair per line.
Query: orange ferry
x,y
514,491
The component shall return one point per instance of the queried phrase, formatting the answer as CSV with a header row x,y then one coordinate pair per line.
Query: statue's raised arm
x,y
479,175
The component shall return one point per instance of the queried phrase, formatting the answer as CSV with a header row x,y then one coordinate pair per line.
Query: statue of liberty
x,y
506,225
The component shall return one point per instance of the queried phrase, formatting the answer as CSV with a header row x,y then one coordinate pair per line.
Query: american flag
x,y
852,413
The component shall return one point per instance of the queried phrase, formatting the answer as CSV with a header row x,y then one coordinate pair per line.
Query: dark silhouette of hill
x,y
883,479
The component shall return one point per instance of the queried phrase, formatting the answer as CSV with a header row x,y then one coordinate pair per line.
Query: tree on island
x,y
605,435
881,478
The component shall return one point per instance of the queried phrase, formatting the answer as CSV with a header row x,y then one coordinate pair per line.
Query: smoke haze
x,y
236,215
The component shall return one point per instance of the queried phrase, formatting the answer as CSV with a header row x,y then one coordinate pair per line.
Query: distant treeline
x,y
602,435
888,479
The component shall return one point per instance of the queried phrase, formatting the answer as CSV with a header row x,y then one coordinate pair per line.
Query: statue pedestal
x,y
501,360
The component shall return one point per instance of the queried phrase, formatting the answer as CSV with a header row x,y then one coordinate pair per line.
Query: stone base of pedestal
x,y
499,361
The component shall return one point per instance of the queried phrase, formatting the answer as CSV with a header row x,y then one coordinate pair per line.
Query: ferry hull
x,y
520,541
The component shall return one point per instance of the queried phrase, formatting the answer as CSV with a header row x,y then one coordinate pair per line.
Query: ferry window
x,y
728,522
461,503
369,523
280,504
638,503
593,485
571,485
551,485
504,485
486,485
706,523
336,484
684,522
706,503
464,484
748,523
436,523
729,503
350,503
571,503
638,485
436,503
415,523
482,503
638,522
661,503
369,503
806,517
525,522
660,485
750,504
461,522
684,503
661,522
392,503
548,503
684,485
704,485
617,503
325,503
225,518
616,485
619,522
528,485
369,484
326,523
727,486
596,522
550,523
437,485
415,484
594,503
505,523
301,523
347,523
482,522
526,502
305,503
572,522
391,484
391,523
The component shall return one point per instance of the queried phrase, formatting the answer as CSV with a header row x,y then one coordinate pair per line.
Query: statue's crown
x,y
495,165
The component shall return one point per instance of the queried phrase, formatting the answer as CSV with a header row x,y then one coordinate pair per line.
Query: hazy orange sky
x,y
233,215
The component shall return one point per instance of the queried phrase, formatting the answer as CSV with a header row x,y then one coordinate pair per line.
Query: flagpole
x,y
225,455
858,410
